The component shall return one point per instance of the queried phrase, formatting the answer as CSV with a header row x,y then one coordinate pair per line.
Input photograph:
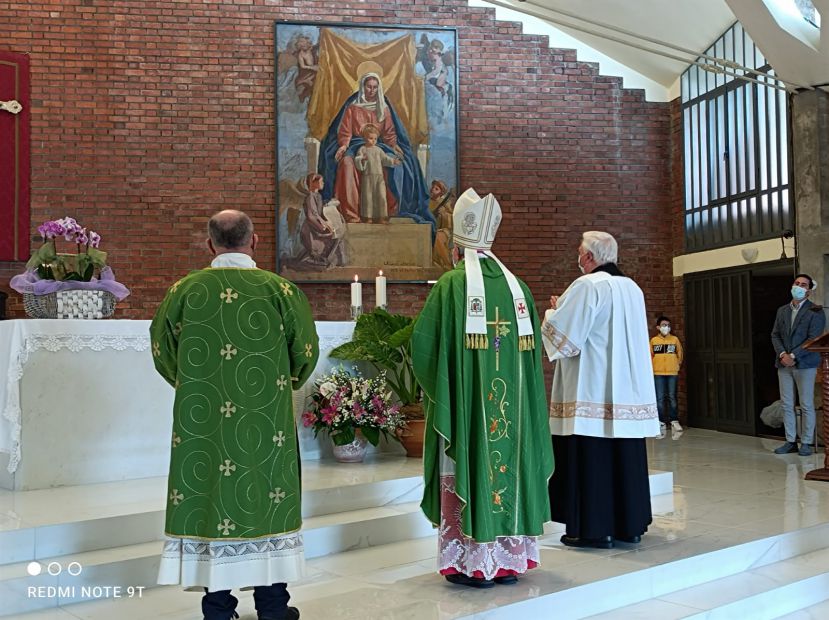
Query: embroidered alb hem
x,y
221,565
509,553
557,341
460,552
604,411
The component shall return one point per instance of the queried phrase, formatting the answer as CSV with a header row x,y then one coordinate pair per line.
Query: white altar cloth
x,y
81,403
19,339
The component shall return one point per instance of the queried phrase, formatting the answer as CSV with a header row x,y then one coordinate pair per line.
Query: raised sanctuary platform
x,y
113,530
742,536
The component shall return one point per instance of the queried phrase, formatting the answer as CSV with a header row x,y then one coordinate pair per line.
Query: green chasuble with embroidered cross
x,y
233,343
489,407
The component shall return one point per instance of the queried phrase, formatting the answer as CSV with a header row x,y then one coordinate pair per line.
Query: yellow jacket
x,y
666,354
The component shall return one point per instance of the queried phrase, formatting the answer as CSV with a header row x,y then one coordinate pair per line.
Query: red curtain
x,y
14,158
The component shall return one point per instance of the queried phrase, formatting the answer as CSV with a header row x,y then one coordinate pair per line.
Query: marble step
x,y
136,565
764,593
819,611
398,580
53,522
57,522
692,586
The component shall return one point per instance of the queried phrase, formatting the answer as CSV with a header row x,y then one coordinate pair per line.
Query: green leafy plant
x,y
384,340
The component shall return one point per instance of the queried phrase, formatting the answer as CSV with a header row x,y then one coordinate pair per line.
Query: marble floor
x,y
728,490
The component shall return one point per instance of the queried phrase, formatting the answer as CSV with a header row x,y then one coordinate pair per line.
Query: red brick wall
x,y
677,310
149,116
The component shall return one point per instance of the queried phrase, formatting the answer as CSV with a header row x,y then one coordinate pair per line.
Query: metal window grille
x,y
737,156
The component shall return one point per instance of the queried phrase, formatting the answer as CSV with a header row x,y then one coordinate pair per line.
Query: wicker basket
x,y
77,304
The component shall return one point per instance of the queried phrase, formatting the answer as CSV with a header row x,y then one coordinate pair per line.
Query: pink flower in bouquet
x,y
308,419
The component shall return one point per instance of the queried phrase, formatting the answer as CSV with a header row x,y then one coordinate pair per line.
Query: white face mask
x,y
665,329
581,268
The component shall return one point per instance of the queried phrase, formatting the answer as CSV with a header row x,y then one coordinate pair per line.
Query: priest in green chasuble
x,y
234,341
487,461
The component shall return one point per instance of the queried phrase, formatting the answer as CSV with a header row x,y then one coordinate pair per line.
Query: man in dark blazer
x,y
797,323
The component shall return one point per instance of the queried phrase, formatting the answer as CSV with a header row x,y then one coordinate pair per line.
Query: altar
x,y
80,402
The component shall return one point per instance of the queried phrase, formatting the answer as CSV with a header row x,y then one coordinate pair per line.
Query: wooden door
x,y
719,352
699,353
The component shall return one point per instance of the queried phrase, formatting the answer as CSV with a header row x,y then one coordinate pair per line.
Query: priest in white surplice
x,y
603,403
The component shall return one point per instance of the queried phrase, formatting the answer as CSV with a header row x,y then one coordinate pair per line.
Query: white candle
x,y
356,293
380,289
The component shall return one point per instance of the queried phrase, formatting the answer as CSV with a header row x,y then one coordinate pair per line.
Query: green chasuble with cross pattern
x,y
233,343
489,408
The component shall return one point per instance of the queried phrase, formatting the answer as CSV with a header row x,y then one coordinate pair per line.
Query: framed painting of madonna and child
x,y
366,150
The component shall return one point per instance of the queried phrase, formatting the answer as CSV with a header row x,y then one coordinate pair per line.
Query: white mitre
x,y
475,220
475,223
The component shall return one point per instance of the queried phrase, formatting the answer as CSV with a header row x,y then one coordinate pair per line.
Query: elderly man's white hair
x,y
601,245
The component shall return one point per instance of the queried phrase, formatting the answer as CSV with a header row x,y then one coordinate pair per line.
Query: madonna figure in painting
x,y
407,194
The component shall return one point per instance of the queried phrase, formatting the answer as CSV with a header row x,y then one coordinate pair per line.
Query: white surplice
x,y
603,384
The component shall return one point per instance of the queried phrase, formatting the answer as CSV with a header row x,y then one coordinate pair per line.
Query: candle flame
x,y
356,278
381,272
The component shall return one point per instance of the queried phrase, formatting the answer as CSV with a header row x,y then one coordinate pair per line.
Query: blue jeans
x,y
804,379
666,388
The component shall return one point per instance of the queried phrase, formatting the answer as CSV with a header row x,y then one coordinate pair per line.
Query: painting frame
x,y
409,233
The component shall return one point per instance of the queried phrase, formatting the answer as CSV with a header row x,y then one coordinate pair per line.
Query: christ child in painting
x,y
370,161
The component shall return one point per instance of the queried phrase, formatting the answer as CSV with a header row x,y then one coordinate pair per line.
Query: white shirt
x,y
603,383
233,259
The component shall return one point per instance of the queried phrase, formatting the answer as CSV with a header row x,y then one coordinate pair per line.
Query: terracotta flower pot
x,y
412,435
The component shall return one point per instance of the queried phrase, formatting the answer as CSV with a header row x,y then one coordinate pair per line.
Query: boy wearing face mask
x,y
796,323
666,355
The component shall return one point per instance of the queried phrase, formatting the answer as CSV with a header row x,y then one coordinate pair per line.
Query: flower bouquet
x,y
345,403
63,285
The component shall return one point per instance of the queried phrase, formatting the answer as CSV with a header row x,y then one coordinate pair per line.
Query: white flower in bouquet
x,y
327,388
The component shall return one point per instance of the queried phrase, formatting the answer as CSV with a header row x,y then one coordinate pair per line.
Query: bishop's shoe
x,y
506,580
471,582
605,542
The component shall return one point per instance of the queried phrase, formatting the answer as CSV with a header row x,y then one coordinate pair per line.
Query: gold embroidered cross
x,y
501,329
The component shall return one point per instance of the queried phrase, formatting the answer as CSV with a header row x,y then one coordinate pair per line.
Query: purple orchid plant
x,y
66,267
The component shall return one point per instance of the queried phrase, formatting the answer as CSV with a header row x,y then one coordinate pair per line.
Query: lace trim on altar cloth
x,y
223,565
76,342
603,411
558,340
462,553
53,343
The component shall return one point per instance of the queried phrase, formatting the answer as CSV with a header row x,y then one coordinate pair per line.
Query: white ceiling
x,y
693,24
792,46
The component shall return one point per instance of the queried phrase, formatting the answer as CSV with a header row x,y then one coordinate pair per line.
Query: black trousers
x,y
271,603
600,486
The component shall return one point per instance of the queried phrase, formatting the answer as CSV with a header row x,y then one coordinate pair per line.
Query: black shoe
x,y
506,580
606,542
233,615
292,613
630,539
472,582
